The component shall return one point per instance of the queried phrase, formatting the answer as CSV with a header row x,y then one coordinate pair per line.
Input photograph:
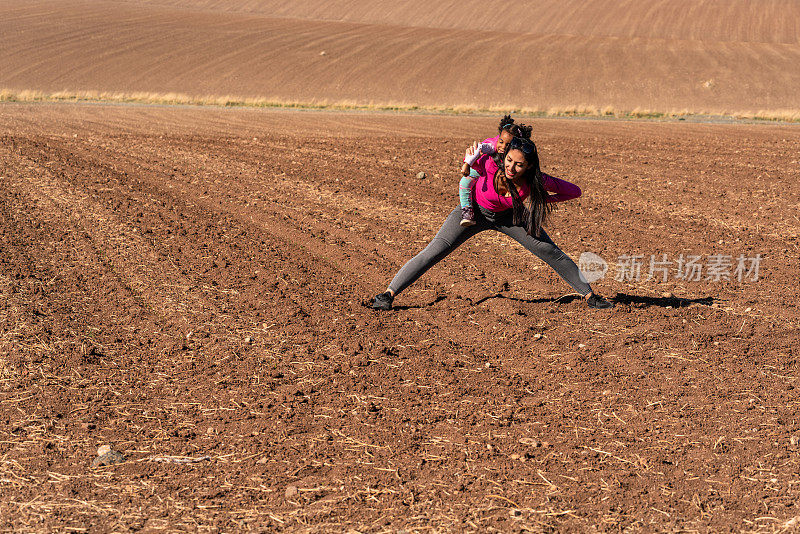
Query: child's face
x,y
505,138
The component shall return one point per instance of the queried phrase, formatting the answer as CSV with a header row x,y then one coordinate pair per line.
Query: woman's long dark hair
x,y
533,218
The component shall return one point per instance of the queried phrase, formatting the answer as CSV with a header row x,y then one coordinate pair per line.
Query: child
x,y
494,145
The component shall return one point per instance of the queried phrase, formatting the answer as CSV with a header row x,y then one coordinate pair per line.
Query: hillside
x,y
700,56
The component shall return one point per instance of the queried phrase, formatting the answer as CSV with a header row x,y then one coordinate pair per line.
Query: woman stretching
x,y
510,197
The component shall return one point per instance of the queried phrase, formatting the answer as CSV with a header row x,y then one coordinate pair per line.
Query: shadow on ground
x,y
639,301
636,301
565,299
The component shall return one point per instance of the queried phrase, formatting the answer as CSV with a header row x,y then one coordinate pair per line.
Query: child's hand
x,y
465,170
471,150
473,153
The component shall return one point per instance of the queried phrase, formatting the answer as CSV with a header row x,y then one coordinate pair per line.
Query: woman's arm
x,y
560,190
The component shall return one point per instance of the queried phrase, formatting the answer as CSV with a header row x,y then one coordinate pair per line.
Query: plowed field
x,y
195,284
697,56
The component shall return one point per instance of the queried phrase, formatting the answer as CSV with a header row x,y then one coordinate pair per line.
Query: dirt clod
x,y
110,458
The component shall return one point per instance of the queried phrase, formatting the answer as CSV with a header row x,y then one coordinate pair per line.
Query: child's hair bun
x,y
505,123
525,131
508,124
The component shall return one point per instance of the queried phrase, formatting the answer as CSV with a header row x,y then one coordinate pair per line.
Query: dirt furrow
x,y
119,246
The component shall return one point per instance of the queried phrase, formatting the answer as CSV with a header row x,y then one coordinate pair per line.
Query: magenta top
x,y
493,141
486,196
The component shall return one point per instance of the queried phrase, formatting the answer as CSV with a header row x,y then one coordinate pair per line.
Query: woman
x,y
507,130
510,197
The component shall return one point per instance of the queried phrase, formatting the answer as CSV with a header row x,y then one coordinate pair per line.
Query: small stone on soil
x,y
794,440
110,458
103,449
291,491
421,175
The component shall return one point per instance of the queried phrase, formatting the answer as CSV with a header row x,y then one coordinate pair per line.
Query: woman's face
x,y
515,164
503,141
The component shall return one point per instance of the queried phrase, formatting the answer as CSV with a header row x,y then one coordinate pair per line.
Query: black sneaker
x,y
598,302
383,301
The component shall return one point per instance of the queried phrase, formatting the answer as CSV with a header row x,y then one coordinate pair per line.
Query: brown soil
x,y
669,56
184,283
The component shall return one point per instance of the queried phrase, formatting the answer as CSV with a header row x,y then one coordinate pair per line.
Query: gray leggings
x,y
452,234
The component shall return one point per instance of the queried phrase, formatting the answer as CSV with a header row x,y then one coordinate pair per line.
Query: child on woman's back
x,y
493,145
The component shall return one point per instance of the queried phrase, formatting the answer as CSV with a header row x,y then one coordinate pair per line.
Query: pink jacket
x,y
486,196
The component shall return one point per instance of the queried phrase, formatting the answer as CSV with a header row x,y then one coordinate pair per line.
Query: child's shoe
x,y
467,216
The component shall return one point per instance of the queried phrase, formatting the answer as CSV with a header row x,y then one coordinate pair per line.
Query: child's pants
x,y
465,188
